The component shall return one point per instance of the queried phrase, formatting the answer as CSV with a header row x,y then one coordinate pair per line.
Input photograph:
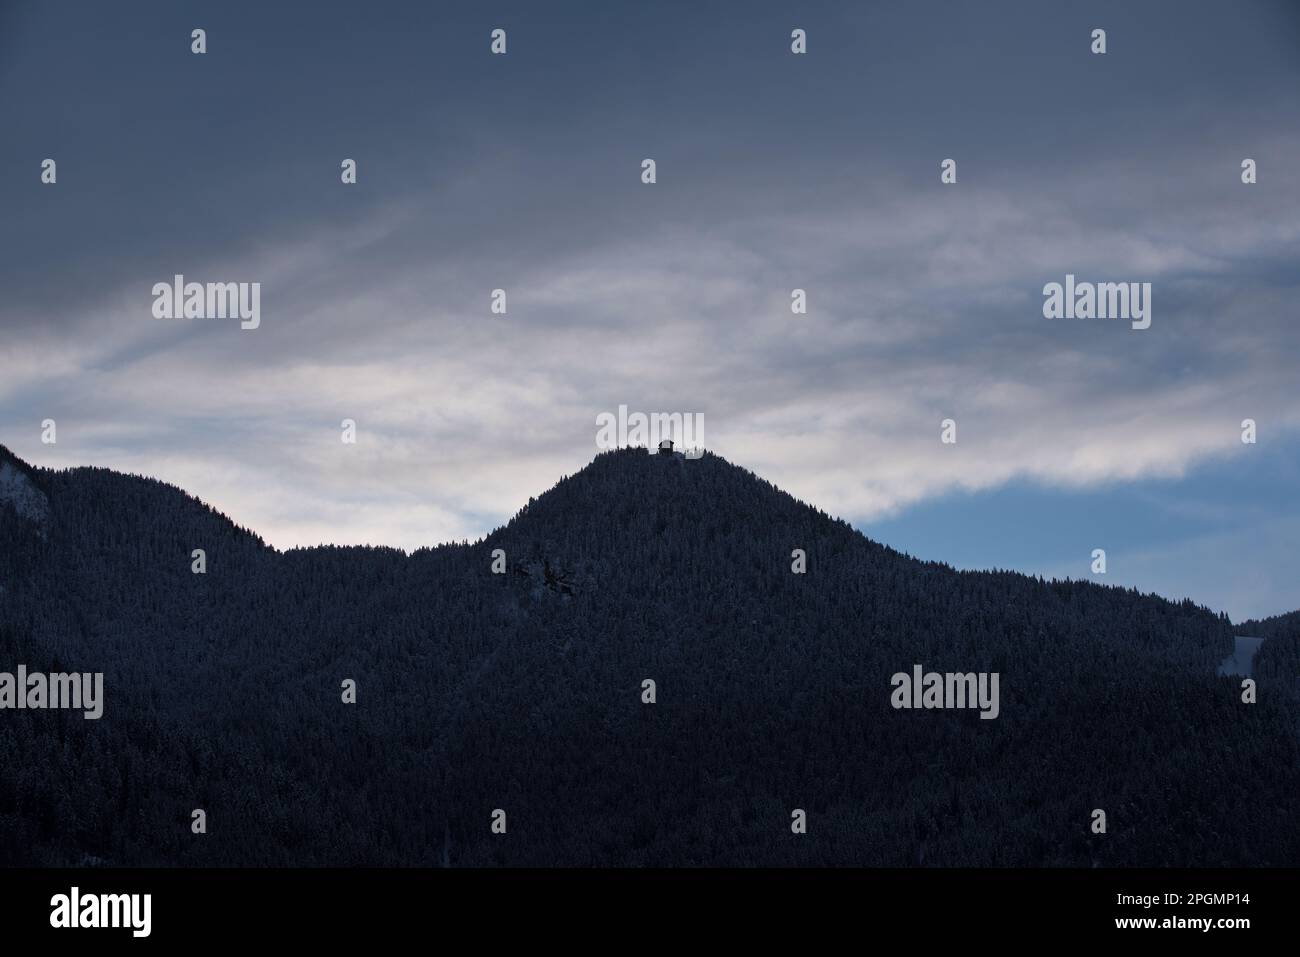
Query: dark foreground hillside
x,y
523,691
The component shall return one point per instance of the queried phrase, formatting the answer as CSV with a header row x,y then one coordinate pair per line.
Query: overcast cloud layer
x,y
774,172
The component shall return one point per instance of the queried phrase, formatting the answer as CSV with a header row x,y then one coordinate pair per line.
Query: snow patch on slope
x,y
18,491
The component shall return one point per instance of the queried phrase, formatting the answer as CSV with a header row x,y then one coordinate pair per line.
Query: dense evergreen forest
x,y
523,691
1277,662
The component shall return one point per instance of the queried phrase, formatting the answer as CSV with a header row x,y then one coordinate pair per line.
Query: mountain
x,y
1278,660
523,691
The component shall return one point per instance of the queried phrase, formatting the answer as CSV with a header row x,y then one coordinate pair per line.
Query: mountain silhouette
x,y
524,691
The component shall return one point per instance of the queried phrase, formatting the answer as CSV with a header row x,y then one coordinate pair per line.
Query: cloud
x,y
924,300
916,315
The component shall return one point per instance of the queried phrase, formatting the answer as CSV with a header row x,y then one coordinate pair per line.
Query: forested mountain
x,y
1278,660
523,691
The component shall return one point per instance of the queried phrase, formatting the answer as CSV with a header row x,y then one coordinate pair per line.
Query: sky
x,y
775,171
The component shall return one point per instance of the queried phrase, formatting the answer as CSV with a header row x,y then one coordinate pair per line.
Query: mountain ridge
x,y
34,473
478,690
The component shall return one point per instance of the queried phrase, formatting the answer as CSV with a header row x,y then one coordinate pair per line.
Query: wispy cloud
x,y
924,300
